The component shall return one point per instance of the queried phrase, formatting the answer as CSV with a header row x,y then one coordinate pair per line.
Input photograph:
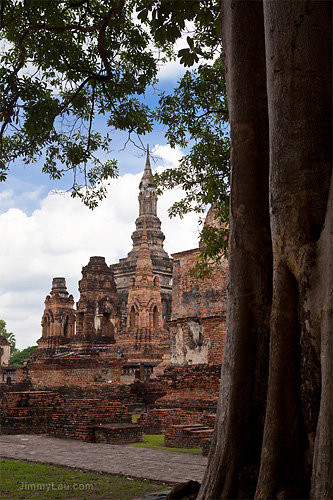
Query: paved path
x,y
157,465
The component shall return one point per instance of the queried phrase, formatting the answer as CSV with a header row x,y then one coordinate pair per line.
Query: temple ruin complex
x,y
145,334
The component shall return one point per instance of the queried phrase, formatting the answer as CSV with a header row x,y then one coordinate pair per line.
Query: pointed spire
x,y
144,266
146,180
147,159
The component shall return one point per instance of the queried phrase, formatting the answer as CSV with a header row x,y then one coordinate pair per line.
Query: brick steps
x,y
157,420
187,436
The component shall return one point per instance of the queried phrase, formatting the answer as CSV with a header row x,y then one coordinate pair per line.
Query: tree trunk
x,y
237,439
280,49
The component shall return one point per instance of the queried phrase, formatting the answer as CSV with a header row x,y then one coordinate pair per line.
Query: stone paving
x,y
158,465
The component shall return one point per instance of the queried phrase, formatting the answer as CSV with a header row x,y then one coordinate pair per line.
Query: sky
x,y
46,235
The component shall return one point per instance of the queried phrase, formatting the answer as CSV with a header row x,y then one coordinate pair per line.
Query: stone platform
x,y
157,465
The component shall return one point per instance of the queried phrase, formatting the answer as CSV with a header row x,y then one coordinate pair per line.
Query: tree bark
x,y
281,209
298,87
319,303
239,424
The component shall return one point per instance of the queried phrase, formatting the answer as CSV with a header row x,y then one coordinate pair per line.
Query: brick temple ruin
x,y
145,336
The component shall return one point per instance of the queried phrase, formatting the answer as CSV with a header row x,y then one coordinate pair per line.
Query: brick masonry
x,y
187,436
117,433
59,317
197,327
197,434
98,308
46,412
158,420
80,371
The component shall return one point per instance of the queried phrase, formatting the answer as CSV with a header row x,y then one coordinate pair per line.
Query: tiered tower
x,y
125,270
144,306
58,320
148,214
97,310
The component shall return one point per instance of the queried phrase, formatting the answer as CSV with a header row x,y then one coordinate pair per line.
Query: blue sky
x,y
44,235
29,183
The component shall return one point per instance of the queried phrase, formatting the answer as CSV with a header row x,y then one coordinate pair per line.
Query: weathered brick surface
x,y
27,412
157,420
117,433
197,327
208,420
75,371
192,377
147,392
59,317
194,402
187,436
44,412
145,331
77,382
98,309
190,389
193,297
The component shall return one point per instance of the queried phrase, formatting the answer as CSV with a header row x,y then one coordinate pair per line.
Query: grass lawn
x,y
156,441
23,480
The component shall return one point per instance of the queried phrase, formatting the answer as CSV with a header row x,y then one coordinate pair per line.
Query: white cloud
x,y
170,156
60,236
11,198
172,71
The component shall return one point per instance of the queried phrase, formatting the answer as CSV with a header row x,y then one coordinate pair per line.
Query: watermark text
x,y
56,487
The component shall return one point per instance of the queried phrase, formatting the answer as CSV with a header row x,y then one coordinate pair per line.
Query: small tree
x,y
9,336
18,358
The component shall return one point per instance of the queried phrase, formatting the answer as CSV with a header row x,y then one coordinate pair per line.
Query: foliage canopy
x,y
64,64
196,115
17,359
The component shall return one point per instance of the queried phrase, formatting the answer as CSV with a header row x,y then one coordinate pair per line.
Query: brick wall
x,y
205,446
197,340
193,297
27,412
192,377
157,420
80,371
46,412
194,402
192,389
197,327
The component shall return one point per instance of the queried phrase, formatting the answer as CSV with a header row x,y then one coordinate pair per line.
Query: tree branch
x,y
101,26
